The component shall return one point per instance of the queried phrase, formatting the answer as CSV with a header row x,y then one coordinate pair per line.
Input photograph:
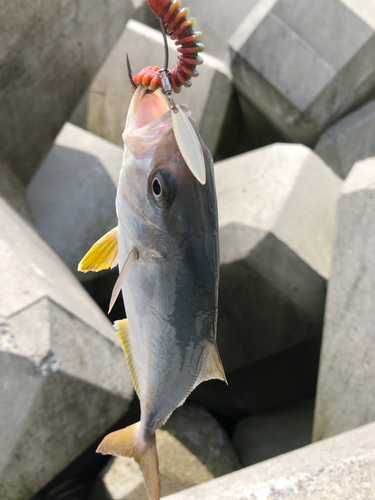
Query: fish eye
x,y
161,188
156,187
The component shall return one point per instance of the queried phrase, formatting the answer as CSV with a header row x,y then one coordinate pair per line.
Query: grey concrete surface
x,y
269,435
342,468
349,140
50,51
64,378
346,385
104,108
14,192
72,196
270,383
276,216
305,64
192,449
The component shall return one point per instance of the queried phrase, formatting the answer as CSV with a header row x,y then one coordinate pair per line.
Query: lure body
x,y
180,28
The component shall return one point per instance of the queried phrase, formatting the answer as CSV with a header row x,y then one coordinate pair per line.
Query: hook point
x,y
130,73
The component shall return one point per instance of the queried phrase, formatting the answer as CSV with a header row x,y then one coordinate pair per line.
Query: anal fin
x,y
102,255
122,329
212,367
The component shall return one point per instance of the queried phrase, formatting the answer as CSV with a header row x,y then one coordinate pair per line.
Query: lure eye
x,y
161,188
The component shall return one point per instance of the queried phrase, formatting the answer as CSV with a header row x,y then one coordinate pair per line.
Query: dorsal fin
x,y
122,329
102,255
212,367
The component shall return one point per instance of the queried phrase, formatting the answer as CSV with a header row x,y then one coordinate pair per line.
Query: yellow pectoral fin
x,y
122,329
102,255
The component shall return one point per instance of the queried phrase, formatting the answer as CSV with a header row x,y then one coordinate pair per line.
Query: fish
x,y
166,245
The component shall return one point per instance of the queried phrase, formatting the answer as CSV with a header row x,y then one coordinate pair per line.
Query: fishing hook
x,y
164,73
130,73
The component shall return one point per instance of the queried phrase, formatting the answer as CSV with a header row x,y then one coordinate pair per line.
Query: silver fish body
x,y
171,291
166,245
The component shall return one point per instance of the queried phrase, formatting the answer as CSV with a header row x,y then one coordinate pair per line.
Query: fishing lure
x,y
174,18
171,15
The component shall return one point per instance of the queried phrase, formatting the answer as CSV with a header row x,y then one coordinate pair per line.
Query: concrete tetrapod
x,y
349,140
341,467
50,51
304,64
72,196
346,383
276,217
63,374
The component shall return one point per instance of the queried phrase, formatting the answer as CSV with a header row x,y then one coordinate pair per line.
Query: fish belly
x,y
170,325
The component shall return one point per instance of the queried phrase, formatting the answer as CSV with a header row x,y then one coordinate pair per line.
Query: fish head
x,y
169,206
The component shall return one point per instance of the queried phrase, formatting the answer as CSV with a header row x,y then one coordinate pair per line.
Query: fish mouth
x,y
148,119
145,108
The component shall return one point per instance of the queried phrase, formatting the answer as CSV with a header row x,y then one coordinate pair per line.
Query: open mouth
x,y
146,108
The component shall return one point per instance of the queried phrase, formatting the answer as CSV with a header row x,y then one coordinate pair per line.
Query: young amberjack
x,y
166,245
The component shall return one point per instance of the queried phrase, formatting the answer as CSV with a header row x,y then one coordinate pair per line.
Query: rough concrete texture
x,y
50,51
276,216
337,468
274,382
63,375
103,110
192,449
14,192
72,196
268,435
346,386
349,140
302,78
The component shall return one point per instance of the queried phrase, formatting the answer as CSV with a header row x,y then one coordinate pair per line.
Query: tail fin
x,y
129,442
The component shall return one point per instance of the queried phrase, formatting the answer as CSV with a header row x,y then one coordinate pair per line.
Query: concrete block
x,y
192,449
349,140
276,216
346,385
50,51
268,384
14,192
269,435
64,378
341,467
103,111
72,196
305,64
